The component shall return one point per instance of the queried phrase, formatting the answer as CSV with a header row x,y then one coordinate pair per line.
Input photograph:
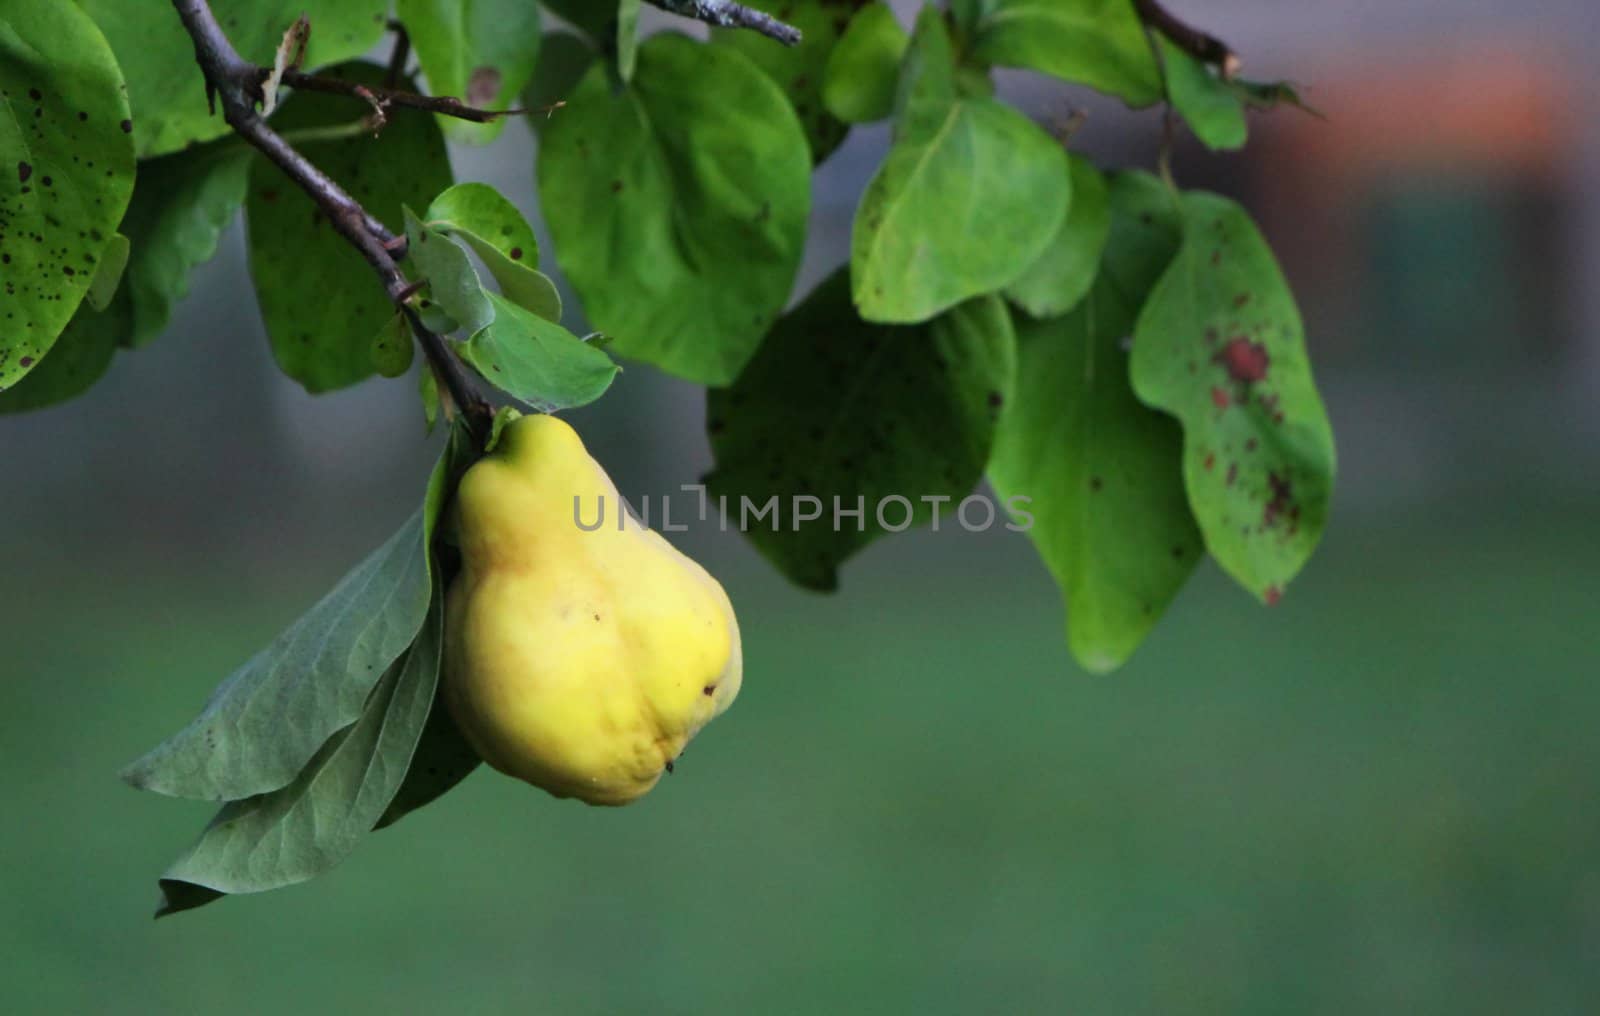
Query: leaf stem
x,y
237,83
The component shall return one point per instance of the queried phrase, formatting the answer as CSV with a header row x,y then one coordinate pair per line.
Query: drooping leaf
x,y
66,171
453,283
799,70
834,407
1212,107
969,196
481,51
1061,276
442,760
1103,472
108,273
166,87
481,216
563,59
678,205
306,828
1220,345
270,717
537,361
267,720
864,68
78,359
318,297
180,207
1099,43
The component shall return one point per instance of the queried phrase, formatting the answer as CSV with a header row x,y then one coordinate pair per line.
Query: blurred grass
x,y
1379,797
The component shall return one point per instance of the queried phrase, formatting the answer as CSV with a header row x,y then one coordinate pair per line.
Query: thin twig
x,y
1200,45
237,83
726,14
444,105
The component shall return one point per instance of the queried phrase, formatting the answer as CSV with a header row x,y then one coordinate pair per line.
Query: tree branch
x,y
444,105
726,14
1200,45
237,83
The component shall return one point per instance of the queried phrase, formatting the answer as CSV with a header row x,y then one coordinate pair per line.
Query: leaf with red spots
x,y
1258,449
1103,472
65,179
833,407
481,51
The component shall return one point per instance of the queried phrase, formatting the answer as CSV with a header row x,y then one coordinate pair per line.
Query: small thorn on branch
x,y
726,14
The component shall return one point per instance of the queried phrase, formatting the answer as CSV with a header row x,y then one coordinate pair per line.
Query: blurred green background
x,y
1380,796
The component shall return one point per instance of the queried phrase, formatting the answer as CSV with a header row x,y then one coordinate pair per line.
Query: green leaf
x,y
1220,345
452,281
1062,275
593,18
108,273
392,348
166,87
306,828
562,62
799,70
1269,94
835,407
678,205
537,361
627,38
66,171
79,358
442,760
267,720
491,225
482,51
1102,471
320,300
428,392
180,207
1100,43
1213,107
863,70
970,195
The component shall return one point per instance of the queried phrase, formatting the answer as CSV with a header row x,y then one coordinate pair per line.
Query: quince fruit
x,y
581,661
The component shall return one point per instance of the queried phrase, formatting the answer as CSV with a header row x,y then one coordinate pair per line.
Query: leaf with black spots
x,y
66,172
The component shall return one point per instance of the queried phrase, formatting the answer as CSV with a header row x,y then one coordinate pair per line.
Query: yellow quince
x,y
581,661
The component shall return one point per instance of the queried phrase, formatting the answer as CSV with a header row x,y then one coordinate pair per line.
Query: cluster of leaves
x,y
1126,356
